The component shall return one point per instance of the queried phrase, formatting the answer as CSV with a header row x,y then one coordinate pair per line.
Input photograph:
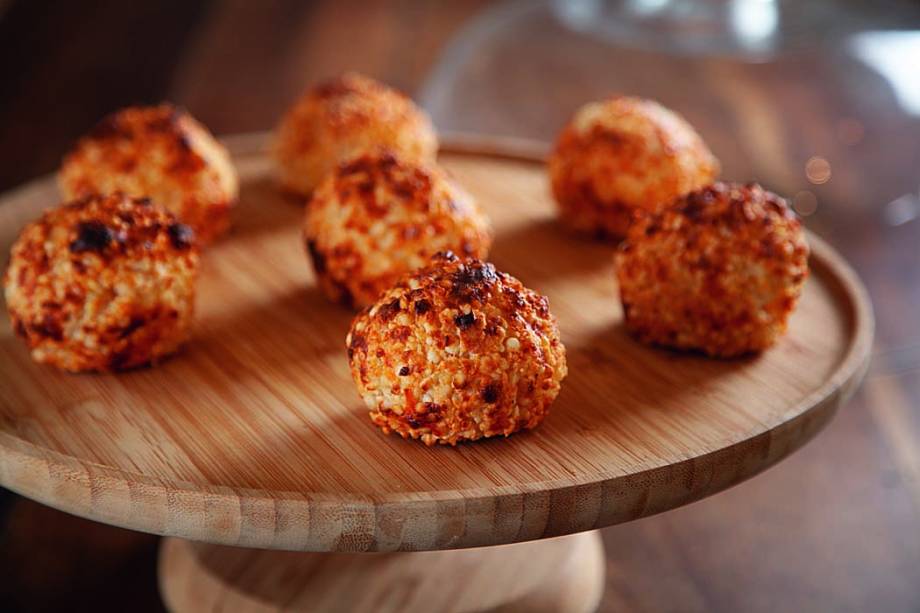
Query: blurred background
x,y
818,100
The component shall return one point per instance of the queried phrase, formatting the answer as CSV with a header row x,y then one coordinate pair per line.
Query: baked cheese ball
x,y
341,118
161,153
622,156
104,283
456,352
378,217
719,271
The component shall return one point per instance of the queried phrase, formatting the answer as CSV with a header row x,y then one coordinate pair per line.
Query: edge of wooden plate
x,y
441,520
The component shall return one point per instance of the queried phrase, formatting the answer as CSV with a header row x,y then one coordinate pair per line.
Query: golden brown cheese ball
x,y
378,217
624,155
104,283
161,153
719,271
342,118
455,352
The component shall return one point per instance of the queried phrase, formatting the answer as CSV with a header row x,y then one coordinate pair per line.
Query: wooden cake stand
x,y
254,438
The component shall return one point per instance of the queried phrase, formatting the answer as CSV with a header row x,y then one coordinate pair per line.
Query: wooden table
x,y
832,528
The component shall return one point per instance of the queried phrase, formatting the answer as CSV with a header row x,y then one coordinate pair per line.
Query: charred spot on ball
x,y
433,410
402,334
404,371
49,327
180,235
126,218
422,306
91,236
355,166
491,392
120,360
135,323
465,321
358,342
387,160
472,279
696,203
389,310
366,187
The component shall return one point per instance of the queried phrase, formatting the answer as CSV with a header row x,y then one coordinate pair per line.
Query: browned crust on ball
x,y
622,156
102,283
338,120
456,352
159,152
719,271
378,217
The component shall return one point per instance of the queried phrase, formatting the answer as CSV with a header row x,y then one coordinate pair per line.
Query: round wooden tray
x,y
254,434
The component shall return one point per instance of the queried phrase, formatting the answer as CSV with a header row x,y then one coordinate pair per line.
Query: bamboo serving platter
x,y
255,436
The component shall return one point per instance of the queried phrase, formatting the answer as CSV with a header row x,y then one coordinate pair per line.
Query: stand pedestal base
x,y
562,574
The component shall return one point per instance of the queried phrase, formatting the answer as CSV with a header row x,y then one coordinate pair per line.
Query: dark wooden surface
x,y
834,528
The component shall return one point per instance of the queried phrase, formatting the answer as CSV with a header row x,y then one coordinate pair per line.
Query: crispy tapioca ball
x,y
104,283
162,153
456,352
377,217
342,118
719,271
624,155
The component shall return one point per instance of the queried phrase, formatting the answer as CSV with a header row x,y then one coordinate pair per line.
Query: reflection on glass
x,y
896,56
802,96
722,26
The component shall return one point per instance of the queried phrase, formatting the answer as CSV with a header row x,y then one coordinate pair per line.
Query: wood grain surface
x,y
560,575
255,436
